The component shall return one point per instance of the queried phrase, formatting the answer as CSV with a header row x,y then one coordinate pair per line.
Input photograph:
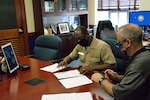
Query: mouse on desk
x,y
24,67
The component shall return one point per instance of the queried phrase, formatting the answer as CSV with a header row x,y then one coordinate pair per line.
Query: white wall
x,y
92,11
145,5
29,16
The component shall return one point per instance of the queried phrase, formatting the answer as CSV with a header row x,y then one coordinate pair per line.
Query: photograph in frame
x,y
63,28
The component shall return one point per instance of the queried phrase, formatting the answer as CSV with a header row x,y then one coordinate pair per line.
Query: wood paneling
x,y
69,43
15,44
9,34
18,39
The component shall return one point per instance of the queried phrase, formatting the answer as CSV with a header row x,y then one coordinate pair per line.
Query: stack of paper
x,y
72,78
68,79
52,68
68,96
67,74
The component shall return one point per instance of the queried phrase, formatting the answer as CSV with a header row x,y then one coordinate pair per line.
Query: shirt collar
x,y
93,42
135,54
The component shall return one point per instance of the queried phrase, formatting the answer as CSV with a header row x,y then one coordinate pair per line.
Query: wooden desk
x,y
14,88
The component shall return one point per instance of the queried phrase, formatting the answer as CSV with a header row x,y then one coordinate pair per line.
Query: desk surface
x,y
14,88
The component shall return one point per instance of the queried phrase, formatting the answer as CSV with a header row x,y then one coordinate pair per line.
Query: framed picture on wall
x,y
63,27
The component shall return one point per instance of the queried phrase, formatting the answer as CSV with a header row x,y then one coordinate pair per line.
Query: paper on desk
x,y
75,81
68,96
52,68
68,74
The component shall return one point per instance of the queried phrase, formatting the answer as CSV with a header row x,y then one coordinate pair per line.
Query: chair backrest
x,y
48,47
105,30
121,59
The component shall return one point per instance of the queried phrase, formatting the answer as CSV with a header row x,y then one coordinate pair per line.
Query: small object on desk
x,y
1,79
24,67
34,81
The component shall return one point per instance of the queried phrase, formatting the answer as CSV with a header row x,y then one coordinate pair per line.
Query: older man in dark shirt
x,y
134,84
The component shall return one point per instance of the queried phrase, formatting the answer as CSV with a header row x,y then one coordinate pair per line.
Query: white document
x,y
52,68
68,96
75,81
67,74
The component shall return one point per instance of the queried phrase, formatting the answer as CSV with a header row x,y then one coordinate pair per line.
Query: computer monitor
x,y
10,57
140,18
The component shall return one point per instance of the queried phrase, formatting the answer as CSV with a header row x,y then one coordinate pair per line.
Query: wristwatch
x,y
101,79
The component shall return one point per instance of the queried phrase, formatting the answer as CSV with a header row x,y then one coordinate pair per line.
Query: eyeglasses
x,y
119,44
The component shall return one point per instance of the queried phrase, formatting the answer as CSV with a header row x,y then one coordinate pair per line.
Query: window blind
x,y
118,4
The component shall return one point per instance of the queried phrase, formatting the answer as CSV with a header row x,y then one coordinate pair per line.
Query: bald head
x,y
130,31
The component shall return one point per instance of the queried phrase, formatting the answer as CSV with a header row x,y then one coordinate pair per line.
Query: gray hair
x,y
133,32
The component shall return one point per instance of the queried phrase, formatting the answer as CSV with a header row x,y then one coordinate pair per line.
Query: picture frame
x,y
54,28
74,22
63,27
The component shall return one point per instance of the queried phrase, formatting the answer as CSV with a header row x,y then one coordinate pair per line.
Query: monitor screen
x,y
10,57
140,18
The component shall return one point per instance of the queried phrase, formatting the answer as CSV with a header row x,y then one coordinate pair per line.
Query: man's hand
x,y
62,64
96,76
65,62
85,69
82,70
111,75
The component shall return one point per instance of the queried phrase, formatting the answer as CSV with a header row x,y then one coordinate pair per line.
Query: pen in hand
x,y
84,72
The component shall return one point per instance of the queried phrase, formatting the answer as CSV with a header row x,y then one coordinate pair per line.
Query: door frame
x,y
22,14
18,35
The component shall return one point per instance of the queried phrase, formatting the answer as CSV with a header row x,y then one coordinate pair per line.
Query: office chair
x,y
48,47
121,59
105,30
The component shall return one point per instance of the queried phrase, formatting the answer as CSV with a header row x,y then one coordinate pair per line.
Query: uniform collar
x,y
135,54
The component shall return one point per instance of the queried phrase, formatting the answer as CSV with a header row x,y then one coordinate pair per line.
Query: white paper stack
x,y
67,74
68,96
52,68
72,78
